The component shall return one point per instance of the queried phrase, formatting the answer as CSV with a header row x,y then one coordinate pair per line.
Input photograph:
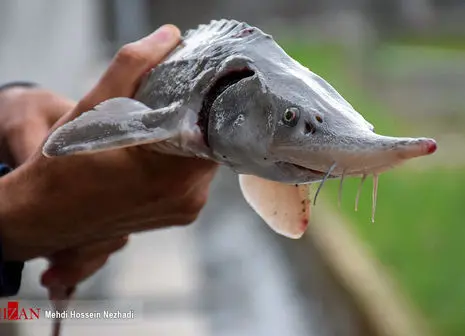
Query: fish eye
x,y
291,116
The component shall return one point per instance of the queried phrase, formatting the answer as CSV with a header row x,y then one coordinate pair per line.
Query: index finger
x,y
128,66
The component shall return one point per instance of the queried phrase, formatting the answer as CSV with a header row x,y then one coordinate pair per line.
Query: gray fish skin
x,y
246,130
269,116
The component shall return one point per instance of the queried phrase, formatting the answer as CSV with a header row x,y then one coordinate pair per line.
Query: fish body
x,y
229,93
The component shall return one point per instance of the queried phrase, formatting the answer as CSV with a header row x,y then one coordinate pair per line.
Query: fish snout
x,y
376,153
417,147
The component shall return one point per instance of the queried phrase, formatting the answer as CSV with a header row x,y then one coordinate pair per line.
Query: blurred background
x,y
401,64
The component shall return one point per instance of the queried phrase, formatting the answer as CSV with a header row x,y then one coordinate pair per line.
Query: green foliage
x,y
419,233
440,42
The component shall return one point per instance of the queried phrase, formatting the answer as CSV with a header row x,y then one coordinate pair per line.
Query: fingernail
x,y
164,34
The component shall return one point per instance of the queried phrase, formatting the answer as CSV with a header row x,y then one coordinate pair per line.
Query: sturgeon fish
x,y
229,93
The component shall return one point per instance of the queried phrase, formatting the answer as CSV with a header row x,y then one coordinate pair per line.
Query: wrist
x,y
17,219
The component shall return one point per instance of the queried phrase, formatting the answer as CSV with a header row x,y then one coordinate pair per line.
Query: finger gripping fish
x,y
231,94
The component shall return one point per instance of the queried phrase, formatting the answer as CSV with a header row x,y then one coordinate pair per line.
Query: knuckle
x,y
120,244
180,189
191,218
131,55
84,105
186,219
193,204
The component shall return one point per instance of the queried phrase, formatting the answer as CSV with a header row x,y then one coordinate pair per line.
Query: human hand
x,y
26,116
79,200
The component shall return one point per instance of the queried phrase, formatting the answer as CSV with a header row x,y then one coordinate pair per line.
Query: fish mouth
x,y
221,84
313,171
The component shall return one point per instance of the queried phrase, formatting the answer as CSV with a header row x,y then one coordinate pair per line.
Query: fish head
x,y
283,122
317,130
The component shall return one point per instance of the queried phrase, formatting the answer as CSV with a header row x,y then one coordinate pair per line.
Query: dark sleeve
x,y
25,84
11,271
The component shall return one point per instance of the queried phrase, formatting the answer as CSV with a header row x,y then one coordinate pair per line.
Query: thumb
x,y
128,66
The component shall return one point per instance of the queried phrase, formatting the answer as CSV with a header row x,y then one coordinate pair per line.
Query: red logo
x,y
13,312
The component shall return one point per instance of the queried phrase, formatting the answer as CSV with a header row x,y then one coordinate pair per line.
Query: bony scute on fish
x,y
231,94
